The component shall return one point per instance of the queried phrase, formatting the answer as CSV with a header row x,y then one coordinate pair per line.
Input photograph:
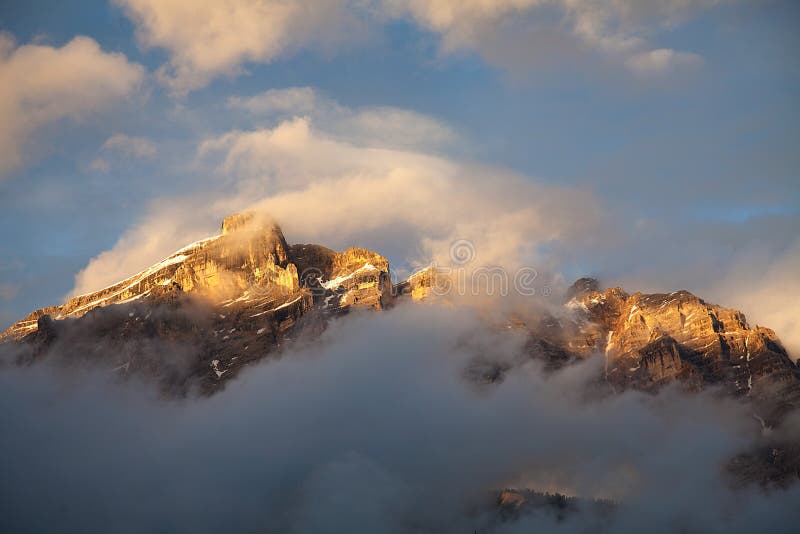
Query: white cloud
x,y
766,289
377,125
518,32
139,147
41,84
208,39
341,188
395,127
661,60
298,100
340,192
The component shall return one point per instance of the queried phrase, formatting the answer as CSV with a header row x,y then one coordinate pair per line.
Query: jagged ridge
x,y
250,257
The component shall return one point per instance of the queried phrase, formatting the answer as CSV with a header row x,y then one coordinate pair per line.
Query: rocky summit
x,y
238,295
651,339
228,300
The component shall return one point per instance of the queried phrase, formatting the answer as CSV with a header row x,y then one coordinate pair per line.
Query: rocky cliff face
x,y
250,255
419,286
249,280
233,298
195,319
651,339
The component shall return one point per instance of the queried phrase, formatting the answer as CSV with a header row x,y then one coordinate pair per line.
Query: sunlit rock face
x,y
420,286
229,299
652,339
355,278
253,289
249,255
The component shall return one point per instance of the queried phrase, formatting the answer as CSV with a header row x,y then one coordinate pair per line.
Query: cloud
x,y
296,100
325,188
210,39
661,60
139,147
375,125
748,265
42,84
519,33
328,182
122,146
372,428
99,165
372,125
396,127
765,288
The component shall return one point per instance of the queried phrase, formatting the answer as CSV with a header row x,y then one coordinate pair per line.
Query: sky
x,y
652,144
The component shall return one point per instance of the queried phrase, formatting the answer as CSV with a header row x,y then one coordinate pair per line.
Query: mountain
x,y
649,340
194,320
249,288
209,308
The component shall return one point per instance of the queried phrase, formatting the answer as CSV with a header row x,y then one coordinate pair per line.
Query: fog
x,y
371,428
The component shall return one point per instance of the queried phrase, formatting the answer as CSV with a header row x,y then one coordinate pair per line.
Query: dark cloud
x,y
370,428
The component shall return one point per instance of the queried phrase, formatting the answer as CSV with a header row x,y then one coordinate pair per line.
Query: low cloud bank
x,y
371,428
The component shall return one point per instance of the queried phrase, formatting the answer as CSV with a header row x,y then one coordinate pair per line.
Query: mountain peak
x,y
249,220
582,286
250,256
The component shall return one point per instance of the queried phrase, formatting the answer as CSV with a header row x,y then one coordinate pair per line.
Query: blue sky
x,y
677,122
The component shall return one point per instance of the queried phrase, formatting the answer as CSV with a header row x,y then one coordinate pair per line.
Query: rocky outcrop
x,y
420,285
232,298
250,259
249,254
651,339
360,278
355,278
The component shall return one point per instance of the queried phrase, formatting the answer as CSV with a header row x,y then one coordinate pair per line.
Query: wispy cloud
x,y
210,39
518,33
661,61
140,147
296,100
357,185
370,125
